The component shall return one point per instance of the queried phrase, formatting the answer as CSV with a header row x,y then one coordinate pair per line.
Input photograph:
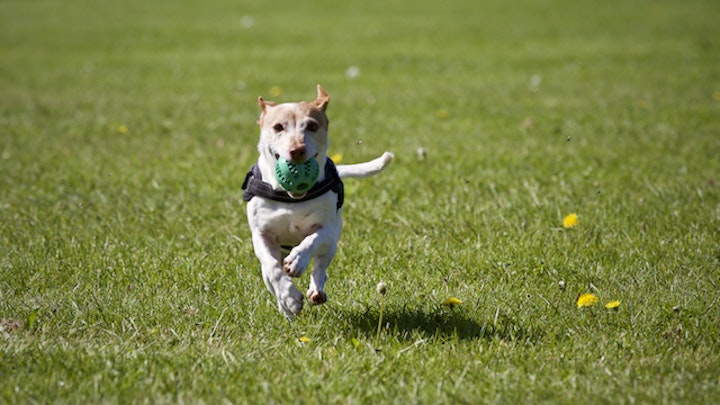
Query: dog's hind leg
x,y
316,294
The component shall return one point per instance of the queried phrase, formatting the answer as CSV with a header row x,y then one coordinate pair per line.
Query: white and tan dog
x,y
288,230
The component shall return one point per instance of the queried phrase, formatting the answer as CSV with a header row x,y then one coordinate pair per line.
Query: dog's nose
x,y
297,153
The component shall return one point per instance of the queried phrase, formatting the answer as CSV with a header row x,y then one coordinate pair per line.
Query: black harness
x,y
255,186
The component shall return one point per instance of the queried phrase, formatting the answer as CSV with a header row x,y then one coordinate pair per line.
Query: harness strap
x,y
255,186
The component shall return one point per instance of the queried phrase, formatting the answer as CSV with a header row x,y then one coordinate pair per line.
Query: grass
x,y
127,274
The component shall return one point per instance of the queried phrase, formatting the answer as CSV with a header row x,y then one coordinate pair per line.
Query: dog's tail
x,y
365,169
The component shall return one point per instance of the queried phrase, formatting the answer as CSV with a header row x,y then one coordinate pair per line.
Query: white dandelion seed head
x,y
381,288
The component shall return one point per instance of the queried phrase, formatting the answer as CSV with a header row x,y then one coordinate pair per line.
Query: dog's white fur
x,y
298,132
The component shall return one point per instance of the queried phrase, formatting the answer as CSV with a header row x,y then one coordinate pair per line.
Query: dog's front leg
x,y
267,250
296,262
321,246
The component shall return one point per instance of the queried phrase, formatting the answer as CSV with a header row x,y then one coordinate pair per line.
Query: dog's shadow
x,y
409,324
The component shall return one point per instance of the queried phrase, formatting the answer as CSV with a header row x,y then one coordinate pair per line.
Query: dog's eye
x,y
278,127
312,126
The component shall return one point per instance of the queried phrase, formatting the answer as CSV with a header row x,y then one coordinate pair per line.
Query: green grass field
x,y
127,273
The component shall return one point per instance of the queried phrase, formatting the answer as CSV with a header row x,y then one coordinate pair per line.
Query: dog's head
x,y
294,131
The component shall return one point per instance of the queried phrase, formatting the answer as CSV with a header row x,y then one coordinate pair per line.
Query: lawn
x,y
126,269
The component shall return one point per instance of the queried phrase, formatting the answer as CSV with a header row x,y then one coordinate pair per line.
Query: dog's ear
x,y
264,104
322,99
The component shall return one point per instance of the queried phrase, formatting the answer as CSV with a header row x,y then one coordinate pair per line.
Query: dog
x,y
289,229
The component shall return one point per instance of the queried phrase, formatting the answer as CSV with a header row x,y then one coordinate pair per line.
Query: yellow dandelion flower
x,y
304,339
122,129
716,96
613,304
337,157
276,91
451,302
570,221
442,114
586,300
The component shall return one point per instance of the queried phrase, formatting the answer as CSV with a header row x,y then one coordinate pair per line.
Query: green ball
x,y
297,177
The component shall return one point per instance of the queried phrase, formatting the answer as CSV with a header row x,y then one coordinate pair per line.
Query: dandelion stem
x,y
380,318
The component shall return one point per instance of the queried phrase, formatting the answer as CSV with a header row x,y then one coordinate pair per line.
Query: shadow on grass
x,y
407,324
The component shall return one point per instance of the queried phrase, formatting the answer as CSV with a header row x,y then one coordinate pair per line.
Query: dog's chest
x,y
291,223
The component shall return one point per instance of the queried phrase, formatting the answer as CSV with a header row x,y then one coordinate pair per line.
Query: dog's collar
x,y
255,186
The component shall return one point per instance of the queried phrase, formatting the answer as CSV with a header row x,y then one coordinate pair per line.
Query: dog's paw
x,y
316,297
291,303
294,264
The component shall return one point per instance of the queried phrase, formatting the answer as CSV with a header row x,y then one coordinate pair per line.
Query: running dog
x,y
289,229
